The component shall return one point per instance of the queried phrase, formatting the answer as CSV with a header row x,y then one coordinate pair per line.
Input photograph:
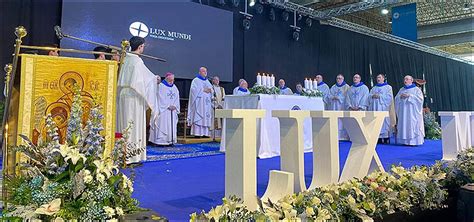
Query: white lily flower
x,y
49,209
64,150
74,155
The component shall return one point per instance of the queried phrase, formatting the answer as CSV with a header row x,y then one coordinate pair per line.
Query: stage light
x,y
252,3
466,7
309,22
384,11
259,8
246,24
296,35
235,3
271,15
299,17
285,16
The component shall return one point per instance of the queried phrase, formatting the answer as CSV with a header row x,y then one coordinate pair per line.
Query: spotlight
x,y
296,35
259,8
309,22
384,11
246,24
300,17
220,2
252,3
272,14
235,3
285,16
466,7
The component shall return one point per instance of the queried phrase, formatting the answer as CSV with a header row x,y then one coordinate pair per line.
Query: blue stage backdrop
x,y
404,22
186,34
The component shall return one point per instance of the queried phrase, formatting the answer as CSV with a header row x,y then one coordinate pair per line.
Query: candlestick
x,y
264,80
315,84
259,79
272,81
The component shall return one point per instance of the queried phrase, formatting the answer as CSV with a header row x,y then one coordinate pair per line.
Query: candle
x,y
305,83
315,84
264,79
259,79
272,81
269,80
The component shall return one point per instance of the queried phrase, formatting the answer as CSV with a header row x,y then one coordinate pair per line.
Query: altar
x,y
268,128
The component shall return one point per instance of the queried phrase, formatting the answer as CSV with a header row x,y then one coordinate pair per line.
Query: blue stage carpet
x,y
176,188
180,151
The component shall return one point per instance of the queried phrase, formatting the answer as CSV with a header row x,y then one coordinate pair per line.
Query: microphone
x,y
59,32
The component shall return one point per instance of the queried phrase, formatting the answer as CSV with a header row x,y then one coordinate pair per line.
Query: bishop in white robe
x,y
380,99
337,97
357,98
199,107
163,125
283,89
409,109
136,92
324,88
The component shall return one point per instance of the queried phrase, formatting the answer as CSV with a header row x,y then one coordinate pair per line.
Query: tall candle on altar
x,y
272,81
259,79
315,84
305,83
264,79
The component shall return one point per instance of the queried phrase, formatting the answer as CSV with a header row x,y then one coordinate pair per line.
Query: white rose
x,y
109,211
119,211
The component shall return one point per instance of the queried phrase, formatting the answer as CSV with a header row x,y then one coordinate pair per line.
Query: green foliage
x,y
375,195
72,180
258,89
312,93
432,128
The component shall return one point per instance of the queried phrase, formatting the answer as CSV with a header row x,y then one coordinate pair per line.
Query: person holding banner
x,y
136,91
163,126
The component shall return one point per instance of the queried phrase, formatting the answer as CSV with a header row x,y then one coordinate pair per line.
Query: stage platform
x,y
176,187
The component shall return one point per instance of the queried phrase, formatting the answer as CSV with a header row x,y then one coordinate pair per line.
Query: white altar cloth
x,y
268,130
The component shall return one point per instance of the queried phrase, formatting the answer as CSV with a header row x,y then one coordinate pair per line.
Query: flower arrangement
x,y
259,89
460,171
432,128
375,195
68,181
312,93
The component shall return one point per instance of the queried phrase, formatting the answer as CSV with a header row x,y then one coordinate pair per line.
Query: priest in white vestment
x,y
409,109
324,88
217,103
163,125
337,98
242,89
380,99
283,89
199,107
357,98
299,89
234,91
136,91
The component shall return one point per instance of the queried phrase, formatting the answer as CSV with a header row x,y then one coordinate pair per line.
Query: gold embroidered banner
x,y
46,87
